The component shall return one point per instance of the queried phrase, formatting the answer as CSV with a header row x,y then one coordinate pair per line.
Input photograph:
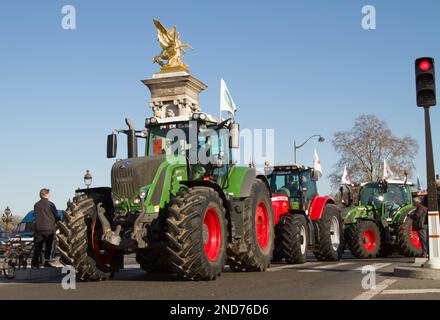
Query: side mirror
x,y
234,132
112,146
315,175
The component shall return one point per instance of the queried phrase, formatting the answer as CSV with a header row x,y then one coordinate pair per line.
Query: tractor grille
x,y
129,175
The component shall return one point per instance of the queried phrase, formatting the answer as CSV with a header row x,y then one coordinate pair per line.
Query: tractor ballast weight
x,y
304,220
178,213
380,224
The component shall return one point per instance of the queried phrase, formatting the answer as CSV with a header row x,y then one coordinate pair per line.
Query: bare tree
x,y
364,148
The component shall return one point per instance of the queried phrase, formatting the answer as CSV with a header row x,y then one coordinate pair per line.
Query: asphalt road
x,y
314,280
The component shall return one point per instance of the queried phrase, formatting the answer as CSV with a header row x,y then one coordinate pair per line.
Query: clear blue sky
x,y
302,67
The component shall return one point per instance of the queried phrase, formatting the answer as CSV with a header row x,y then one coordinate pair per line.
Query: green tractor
x,y
186,212
380,224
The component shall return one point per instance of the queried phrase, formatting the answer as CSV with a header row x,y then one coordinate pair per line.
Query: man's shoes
x,y
35,267
48,265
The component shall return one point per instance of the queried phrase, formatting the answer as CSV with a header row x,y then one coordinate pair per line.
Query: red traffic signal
x,y
425,82
424,65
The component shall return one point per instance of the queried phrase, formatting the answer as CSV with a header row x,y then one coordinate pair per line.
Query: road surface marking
x,y
370,294
326,267
410,291
293,266
376,266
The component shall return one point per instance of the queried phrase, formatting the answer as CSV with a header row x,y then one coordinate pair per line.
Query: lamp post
x,y
296,147
433,213
7,218
88,179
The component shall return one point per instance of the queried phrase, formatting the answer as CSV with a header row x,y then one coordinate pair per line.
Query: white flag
x,y
317,163
226,101
345,177
386,170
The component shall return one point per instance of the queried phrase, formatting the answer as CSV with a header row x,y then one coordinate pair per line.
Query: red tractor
x,y
304,220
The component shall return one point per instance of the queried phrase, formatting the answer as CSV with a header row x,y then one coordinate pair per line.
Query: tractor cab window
x,y
371,195
395,197
288,184
170,139
308,187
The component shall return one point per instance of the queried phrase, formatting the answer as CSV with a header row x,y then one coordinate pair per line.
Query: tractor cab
x,y
386,197
293,188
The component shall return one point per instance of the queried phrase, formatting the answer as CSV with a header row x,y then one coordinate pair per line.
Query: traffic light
x,y
425,82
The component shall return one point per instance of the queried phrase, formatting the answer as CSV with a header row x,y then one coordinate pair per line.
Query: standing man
x,y
45,228
419,223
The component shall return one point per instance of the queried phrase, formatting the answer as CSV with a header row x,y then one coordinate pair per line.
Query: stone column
x,y
174,94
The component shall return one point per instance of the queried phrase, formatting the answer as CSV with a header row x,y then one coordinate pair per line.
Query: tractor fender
x,y
219,190
263,178
317,206
239,182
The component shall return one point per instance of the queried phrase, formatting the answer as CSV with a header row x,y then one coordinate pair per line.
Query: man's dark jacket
x,y
45,216
418,218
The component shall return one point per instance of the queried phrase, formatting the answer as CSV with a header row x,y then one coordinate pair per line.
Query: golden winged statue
x,y
170,59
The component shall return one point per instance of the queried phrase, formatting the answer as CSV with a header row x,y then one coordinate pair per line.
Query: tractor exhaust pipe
x,y
131,139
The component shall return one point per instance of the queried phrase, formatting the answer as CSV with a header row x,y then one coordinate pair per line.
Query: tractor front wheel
x,y
364,239
331,240
254,251
197,234
79,241
291,239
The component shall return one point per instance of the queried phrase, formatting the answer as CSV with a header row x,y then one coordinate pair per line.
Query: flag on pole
x,y
419,186
226,101
345,177
386,170
317,163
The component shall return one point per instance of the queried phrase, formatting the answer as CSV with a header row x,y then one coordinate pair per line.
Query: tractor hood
x,y
138,184
129,175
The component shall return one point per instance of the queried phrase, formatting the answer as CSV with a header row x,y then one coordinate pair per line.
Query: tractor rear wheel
x,y
364,239
292,239
254,252
197,234
409,242
331,240
79,241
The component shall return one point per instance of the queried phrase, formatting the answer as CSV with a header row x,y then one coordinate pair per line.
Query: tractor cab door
x,y
396,197
308,189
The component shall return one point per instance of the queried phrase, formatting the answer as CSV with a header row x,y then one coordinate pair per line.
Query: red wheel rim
x,y
212,234
102,257
369,240
414,238
262,225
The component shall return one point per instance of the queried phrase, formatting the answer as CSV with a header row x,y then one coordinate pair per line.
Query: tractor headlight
x,y
196,116
116,202
143,195
203,116
137,201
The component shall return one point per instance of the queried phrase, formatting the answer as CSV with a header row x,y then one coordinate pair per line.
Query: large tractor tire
x,y
364,239
79,241
254,251
291,239
409,242
197,234
154,260
331,237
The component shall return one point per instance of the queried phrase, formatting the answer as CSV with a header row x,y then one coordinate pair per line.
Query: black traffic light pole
x,y
426,97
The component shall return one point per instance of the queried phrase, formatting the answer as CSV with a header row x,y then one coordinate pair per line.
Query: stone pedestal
x,y
174,94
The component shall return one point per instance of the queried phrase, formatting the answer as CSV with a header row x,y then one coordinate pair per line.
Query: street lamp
x,y
7,218
320,139
88,179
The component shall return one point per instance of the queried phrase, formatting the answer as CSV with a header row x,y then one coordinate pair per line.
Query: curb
x,y
38,275
417,272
